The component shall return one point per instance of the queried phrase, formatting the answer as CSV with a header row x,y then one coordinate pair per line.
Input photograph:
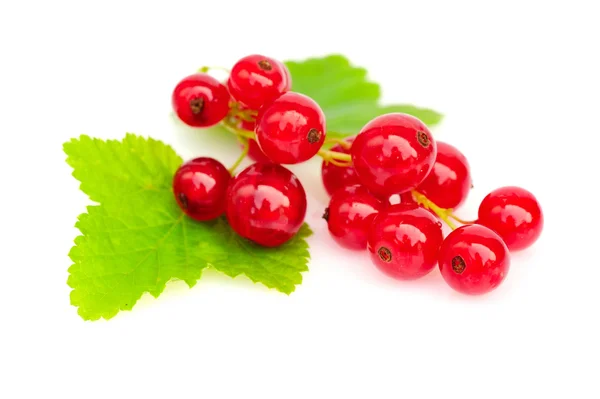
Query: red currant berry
x,y
199,100
336,177
256,80
350,214
291,129
515,214
473,259
449,182
404,241
393,154
200,186
266,203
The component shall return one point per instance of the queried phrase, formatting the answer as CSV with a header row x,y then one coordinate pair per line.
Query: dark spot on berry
x,y
423,138
265,65
458,264
184,201
385,254
326,214
197,105
313,136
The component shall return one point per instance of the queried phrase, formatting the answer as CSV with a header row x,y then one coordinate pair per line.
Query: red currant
x,y
291,129
404,241
449,182
474,260
266,203
200,186
256,80
199,100
336,177
515,214
350,214
393,154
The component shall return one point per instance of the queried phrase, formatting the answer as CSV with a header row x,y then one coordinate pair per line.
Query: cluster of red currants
x,y
401,185
265,203
391,185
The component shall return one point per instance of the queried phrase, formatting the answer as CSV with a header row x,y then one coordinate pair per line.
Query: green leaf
x,y
137,239
347,97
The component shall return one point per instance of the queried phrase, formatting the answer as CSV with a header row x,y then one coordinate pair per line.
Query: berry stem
x,y
336,158
206,68
459,220
341,142
237,111
229,125
240,158
444,214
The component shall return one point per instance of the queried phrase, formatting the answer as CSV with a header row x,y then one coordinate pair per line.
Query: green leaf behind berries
x,y
137,239
348,99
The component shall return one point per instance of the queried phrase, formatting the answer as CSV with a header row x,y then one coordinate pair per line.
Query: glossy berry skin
x,y
337,177
291,129
393,153
449,182
200,100
474,260
200,186
256,80
266,203
350,214
404,241
515,214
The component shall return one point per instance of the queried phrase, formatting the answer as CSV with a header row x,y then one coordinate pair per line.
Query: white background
x,y
519,85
